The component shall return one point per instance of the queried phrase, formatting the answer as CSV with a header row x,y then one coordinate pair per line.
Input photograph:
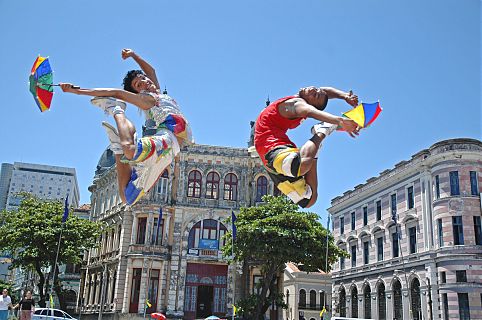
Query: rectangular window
x,y
380,249
342,263
477,230
395,244
141,230
458,230
342,225
445,306
454,183
437,187
157,232
460,276
474,186
353,256
464,308
353,220
440,233
443,277
412,232
410,198
393,206
365,216
379,210
366,253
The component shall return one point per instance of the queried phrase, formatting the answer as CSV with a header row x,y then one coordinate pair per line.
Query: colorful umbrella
x,y
364,114
41,80
158,316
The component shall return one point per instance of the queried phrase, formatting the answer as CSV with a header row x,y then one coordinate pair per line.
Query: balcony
x,y
304,306
148,249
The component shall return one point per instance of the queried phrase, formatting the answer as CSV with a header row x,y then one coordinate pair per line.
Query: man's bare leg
x,y
126,134
309,153
123,175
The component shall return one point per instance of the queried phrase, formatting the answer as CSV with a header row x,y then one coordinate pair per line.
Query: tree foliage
x,y
271,235
31,236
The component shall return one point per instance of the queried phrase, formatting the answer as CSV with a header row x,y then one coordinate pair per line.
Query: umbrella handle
x,y
58,85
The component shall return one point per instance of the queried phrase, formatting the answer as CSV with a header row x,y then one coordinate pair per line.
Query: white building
x,y
425,264
43,181
306,294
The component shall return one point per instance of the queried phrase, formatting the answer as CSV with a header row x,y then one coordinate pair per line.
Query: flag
x,y
322,312
51,301
148,303
158,225
66,210
233,221
235,310
328,222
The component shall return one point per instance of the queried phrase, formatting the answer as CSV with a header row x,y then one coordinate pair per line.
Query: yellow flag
x,y
235,310
322,311
148,303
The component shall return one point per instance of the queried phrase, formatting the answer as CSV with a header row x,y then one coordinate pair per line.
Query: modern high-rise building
x,y
44,181
414,236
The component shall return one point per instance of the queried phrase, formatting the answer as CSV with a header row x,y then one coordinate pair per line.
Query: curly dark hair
x,y
127,82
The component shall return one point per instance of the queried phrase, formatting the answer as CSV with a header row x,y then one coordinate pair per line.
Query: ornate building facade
x,y
174,266
414,237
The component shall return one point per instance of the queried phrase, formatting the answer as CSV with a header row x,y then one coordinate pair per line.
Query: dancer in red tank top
x,y
293,170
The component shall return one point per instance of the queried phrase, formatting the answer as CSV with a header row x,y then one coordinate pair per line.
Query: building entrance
x,y
204,301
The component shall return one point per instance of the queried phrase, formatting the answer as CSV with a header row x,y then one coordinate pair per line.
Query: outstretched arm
x,y
143,101
333,93
299,108
145,66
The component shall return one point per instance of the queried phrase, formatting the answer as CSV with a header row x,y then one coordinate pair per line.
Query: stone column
x,y
389,304
134,228
144,285
374,303
407,308
127,287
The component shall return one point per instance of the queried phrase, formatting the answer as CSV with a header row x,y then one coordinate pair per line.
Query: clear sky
x,y
221,59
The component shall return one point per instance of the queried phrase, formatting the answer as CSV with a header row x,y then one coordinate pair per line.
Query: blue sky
x,y
221,59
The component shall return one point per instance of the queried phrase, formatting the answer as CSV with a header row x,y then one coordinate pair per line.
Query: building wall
x,y
128,258
426,172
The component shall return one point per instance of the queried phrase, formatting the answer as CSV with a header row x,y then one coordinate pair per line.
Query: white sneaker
x,y
324,128
110,105
114,138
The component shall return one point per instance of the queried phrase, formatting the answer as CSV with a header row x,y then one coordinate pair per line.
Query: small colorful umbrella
x,y
158,316
41,80
364,114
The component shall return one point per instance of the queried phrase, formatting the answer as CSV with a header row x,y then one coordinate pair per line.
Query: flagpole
x,y
399,236
233,220
326,256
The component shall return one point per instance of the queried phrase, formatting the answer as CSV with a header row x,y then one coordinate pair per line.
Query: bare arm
x,y
143,64
142,101
298,108
333,93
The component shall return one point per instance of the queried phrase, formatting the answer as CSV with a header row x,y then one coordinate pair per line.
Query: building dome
x,y
106,161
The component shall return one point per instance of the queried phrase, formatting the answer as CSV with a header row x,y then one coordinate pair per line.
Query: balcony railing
x,y
309,306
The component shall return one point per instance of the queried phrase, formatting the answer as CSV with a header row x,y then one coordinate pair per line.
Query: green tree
x,y
31,236
271,235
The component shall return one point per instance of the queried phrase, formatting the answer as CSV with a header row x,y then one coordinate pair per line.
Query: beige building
x,y
427,263
306,294
177,267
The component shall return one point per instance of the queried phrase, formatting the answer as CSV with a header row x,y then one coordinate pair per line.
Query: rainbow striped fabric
x,y
364,114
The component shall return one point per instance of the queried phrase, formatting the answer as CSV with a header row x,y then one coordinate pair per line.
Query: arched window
x,y
367,305
382,303
230,187
397,300
205,234
322,300
288,297
261,188
302,302
354,302
415,299
212,185
342,304
312,299
194,184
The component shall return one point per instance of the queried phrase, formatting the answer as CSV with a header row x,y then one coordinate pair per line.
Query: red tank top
x,y
270,128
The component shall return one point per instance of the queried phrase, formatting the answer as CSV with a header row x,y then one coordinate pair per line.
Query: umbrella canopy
x,y
158,316
212,318
41,81
364,114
